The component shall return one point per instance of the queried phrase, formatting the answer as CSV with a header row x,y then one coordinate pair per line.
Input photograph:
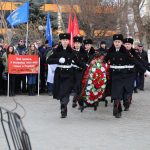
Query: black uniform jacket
x,y
63,78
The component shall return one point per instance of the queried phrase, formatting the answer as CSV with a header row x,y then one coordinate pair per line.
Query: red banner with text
x,y
23,64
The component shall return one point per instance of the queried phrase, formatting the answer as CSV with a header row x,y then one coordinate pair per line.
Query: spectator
x,y
1,70
10,51
32,77
42,51
21,79
144,57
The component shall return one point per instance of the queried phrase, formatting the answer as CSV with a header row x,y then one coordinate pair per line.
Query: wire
x,y
16,107
18,104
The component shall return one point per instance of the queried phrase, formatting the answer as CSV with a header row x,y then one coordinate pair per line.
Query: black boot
x,y
135,90
63,111
33,90
95,106
126,105
30,90
81,105
74,103
106,103
117,109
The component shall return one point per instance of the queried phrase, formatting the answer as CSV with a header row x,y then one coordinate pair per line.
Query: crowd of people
x,y
62,68
23,83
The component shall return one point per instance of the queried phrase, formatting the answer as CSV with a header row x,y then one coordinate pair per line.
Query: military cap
x,y
140,45
128,40
64,36
103,42
78,39
88,41
117,37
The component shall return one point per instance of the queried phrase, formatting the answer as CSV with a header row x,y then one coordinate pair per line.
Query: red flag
x,y
70,29
75,26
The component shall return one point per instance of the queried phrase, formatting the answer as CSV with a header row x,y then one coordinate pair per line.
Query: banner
x,y
23,64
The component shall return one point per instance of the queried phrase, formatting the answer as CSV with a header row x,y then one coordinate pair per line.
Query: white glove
x,y
62,60
87,65
147,73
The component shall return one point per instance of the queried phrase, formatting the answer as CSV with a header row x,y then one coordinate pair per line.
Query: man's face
x,y
77,45
88,46
117,44
140,48
64,42
47,45
39,43
128,46
21,42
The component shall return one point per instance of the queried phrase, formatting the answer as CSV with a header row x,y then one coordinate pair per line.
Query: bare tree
x,y
96,17
7,33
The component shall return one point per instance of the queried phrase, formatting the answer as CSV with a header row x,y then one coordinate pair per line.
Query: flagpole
x,y
27,34
39,79
8,85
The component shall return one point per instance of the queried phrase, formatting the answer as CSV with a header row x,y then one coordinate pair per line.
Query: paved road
x,y
83,131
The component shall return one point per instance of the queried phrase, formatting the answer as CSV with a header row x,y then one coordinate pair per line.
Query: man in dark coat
x,y
140,77
81,55
42,52
103,48
88,46
90,52
21,78
63,78
134,60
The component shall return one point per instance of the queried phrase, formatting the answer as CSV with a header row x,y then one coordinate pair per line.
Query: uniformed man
x,y
78,71
120,67
88,45
136,61
63,78
103,48
118,58
90,52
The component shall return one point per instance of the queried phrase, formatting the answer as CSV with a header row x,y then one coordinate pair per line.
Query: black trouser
x,y
1,83
21,79
141,80
1,79
42,77
64,102
12,84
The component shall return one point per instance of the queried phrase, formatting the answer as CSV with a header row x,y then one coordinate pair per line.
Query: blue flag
x,y
49,30
20,15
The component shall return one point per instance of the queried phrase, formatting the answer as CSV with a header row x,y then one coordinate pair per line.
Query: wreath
x,y
94,81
